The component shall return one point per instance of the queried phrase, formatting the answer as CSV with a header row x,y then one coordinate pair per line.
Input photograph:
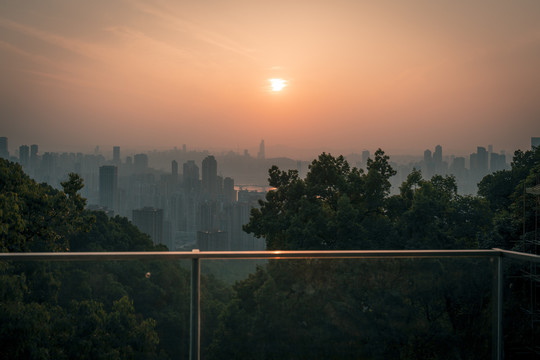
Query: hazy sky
x,y
400,75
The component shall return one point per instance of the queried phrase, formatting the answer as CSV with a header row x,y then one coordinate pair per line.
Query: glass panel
x,y
352,309
98,309
521,311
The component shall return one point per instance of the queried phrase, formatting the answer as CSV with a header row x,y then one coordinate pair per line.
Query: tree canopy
x,y
339,207
89,310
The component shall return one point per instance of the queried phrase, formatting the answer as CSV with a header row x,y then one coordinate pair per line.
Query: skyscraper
x,y
209,176
174,170
365,157
427,156
535,142
116,154
482,160
24,155
33,152
437,155
4,152
140,162
34,160
190,176
108,186
497,162
261,155
228,189
150,221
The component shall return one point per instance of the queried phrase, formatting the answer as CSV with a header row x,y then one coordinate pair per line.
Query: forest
x,y
284,309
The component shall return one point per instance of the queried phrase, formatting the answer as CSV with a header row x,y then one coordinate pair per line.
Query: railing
x,y
496,256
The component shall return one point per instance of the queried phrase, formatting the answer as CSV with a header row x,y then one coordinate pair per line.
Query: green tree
x,y
429,214
37,217
515,210
334,207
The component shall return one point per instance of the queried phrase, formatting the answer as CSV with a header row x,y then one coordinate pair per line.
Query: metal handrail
x,y
223,255
195,256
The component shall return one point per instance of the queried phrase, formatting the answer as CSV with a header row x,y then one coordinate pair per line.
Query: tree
x,y
429,214
514,209
334,207
37,217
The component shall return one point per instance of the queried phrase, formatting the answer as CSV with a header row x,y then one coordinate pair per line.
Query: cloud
x,y
78,47
203,34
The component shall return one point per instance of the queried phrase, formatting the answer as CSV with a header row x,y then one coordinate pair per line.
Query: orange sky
x,y
400,75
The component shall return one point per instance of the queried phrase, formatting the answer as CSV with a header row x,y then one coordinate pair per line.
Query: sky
x,y
403,76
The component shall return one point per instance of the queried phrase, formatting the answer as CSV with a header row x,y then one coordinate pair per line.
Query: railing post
x,y
195,315
498,281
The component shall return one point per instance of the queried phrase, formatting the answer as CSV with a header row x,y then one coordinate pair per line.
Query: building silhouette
x,y
4,152
209,176
116,155
437,155
150,221
34,154
229,193
261,154
213,241
190,176
108,186
174,171
365,157
140,162
24,155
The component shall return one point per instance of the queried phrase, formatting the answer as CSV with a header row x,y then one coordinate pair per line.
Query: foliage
x,y
334,207
338,207
515,210
128,310
37,217
432,309
111,234
429,214
358,309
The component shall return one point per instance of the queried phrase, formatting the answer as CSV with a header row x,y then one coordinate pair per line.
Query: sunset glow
x,y
402,76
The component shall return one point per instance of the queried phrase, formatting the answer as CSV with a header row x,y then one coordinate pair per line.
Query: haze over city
x,y
351,75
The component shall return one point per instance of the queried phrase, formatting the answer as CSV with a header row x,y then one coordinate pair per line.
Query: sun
x,y
277,84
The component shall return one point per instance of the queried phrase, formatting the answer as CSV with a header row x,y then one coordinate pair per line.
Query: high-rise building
x,y
116,155
150,221
174,170
497,162
209,176
482,160
24,155
437,155
365,157
216,240
473,162
34,160
108,186
261,155
428,168
458,165
4,152
33,152
190,176
535,142
140,162
427,156
228,189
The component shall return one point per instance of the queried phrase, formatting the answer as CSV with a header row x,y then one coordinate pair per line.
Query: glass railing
x,y
451,304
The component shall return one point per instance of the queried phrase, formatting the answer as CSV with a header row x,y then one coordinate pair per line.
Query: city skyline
x,y
357,75
113,152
